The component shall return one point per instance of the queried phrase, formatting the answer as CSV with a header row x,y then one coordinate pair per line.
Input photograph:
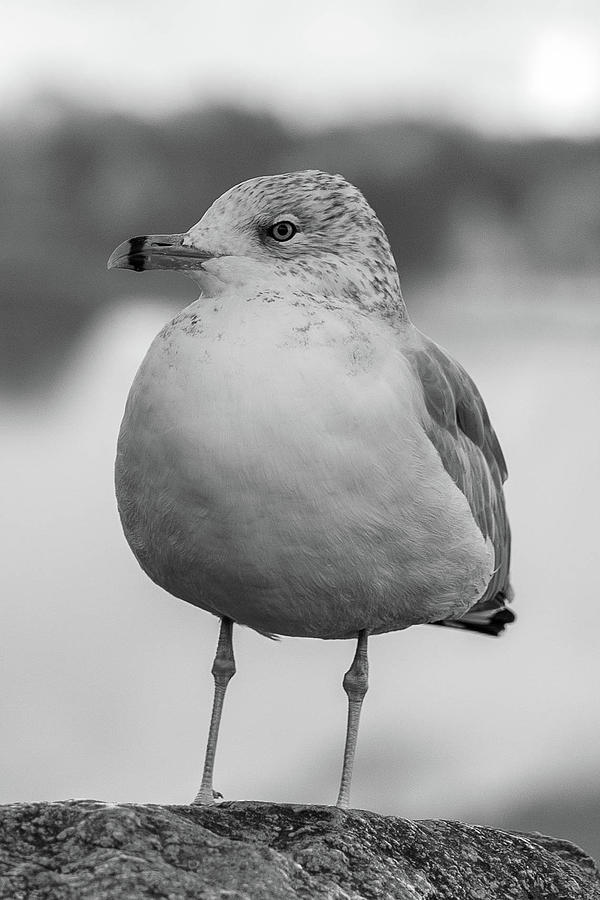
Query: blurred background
x,y
474,131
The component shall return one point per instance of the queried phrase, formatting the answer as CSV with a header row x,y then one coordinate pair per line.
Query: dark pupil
x,y
283,231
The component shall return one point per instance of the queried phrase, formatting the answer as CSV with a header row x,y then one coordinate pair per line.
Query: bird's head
x,y
311,229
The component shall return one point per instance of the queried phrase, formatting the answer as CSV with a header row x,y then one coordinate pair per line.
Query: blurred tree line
x,y
76,183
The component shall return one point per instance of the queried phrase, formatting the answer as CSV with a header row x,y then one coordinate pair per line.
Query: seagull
x,y
295,456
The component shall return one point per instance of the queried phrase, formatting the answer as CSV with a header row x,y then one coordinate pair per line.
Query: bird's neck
x,y
370,287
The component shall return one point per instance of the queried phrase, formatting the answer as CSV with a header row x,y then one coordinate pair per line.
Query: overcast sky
x,y
515,65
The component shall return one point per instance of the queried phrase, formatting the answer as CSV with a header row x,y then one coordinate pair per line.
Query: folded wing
x,y
459,427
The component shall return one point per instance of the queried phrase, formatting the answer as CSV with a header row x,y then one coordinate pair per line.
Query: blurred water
x,y
107,684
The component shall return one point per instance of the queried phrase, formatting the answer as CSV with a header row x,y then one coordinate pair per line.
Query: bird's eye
x,y
283,231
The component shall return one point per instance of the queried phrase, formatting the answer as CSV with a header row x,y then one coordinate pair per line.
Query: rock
x,y
86,850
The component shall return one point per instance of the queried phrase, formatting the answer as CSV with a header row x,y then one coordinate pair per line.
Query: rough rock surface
x,y
248,851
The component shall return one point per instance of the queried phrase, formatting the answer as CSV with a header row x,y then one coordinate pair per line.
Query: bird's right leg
x,y
356,683
223,671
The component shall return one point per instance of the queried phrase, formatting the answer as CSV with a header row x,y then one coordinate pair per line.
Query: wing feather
x,y
459,427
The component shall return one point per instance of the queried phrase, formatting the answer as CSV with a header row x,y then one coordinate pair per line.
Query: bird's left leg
x,y
356,683
223,671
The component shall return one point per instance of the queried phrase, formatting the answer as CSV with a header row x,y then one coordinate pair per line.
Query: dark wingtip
x,y
494,625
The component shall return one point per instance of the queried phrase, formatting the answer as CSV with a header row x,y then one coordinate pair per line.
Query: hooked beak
x,y
157,251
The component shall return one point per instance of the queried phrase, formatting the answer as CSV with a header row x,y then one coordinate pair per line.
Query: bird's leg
x,y
356,682
223,671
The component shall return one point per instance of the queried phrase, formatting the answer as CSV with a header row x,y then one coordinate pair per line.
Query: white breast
x,y
272,467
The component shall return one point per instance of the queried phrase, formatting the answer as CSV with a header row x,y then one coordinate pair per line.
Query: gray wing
x,y
460,429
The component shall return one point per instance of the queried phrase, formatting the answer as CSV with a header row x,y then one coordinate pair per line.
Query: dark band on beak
x,y
136,258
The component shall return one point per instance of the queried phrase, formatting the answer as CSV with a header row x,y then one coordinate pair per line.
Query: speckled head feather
x,y
340,246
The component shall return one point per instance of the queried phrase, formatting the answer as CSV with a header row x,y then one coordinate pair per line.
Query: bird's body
x,y
295,456
274,467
